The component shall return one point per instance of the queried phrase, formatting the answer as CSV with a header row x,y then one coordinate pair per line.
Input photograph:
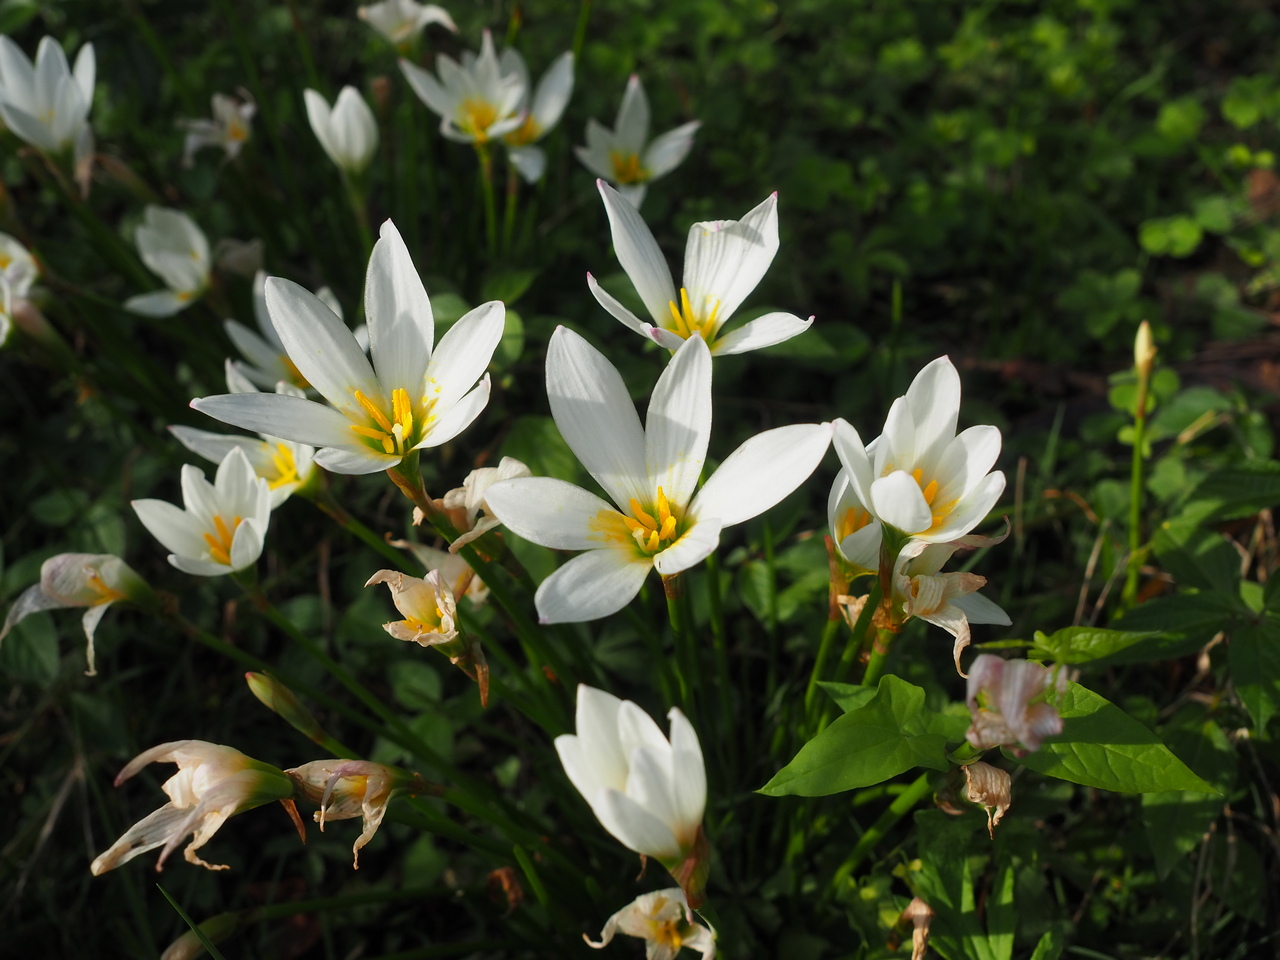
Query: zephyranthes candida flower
x,y
410,397
93,580
1011,702
624,155
919,477
477,100
401,21
228,130
174,248
354,788
646,790
47,103
348,131
266,362
649,472
213,783
224,525
664,921
466,506
540,114
723,262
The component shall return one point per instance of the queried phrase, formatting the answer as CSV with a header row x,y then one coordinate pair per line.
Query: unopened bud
x,y
1144,350
279,699
214,930
990,788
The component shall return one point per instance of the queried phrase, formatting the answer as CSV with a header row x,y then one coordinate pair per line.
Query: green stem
x,y
677,611
490,206
509,210
859,632
824,653
359,212
879,652
721,645
1134,565
899,808
580,32
304,48
325,502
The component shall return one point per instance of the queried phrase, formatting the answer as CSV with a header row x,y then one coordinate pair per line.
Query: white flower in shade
x,y
17,267
401,21
93,580
410,397
919,477
624,155
175,249
646,790
47,104
649,472
266,362
213,783
854,531
549,100
465,504
1010,702
430,613
348,132
476,100
455,572
723,262
224,524
664,921
228,130
345,789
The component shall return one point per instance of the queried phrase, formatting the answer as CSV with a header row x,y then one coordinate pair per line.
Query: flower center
x,y
237,132
526,133
650,531
105,593
286,467
930,492
395,434
687,321
476,117
220,541
626,167
854,519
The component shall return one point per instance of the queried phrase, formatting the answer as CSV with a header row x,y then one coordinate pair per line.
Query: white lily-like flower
x,y
175,249
402,21
93,580
348,132
477,101
228,130
1010,703
430,612
465,505
224,525
456,573
549,100
723,262
646,790
17,266
410,397
213,783
663,920
854,531
649,472
624,155
919,477
266,362
47,104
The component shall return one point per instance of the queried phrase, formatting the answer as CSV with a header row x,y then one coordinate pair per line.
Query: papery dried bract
x,y
664,921
990,788
1010,702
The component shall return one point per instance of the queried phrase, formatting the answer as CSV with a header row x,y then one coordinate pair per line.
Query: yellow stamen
x,y
371,408
652,531
394,435
476,117
526,133
687,321
220,545
930,489
638,512
105,593
286,467
626,167
852,521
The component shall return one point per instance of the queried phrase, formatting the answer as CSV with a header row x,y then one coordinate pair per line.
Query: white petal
x,y
279,415
978,609
246,545
761,332
668,151
464,352
633,193
594,414
27,127
548,511
530,161
458,417
619,312
632,124
639,254
725,259
761,472
694,546
197,567
428,88
934,402
649,784
972,510
554,90
355,461
965,461
584,771
211,446
854,458
596,721
174,528
85,72
690,774
264,356
591,585
678,424
401,326
668,339
161,303
595,157
898,501
634,826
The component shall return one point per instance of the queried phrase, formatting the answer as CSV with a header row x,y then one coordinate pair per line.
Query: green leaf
x,y
1186,621
1197,557
30,651
1102,746
1050,945
507,285
536,441
1214,213
1241,490
1082,644
1172,236
946,883
447,309
512,343
1181,120
1254,657
881,739
848,696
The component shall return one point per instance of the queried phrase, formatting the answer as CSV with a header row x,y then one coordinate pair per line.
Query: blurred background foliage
x,y
1014,183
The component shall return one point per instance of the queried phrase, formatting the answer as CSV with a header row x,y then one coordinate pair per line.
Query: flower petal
x,y
678,423
458,417
898,501
690,780
972,510
639,254
614,307
934,403
635,827
668,150
725,259
355,460
632,124
591,585
854,458
401,325
554,90
173,527
530,161
160,303
761,472
280,415
464,352
761,332
548,511
694,546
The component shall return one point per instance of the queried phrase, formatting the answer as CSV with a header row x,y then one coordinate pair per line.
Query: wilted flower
x,y
47,104
93,580
454,572
175,249
650,473
348,132
990,788
919,477
401,21
549,101
664,921
345,789
1009,700
409,398
624,156
213,783
224,524
723,262
229,129
477,101
266,362
920,915
647,791
465,504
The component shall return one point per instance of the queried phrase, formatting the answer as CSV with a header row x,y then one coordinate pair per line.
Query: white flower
x,y
409,398
266,362
1009,701
649,472
348,132
477,101
455,572
723,262
213,782
229,129
175,249
919,477
624,156
430,613
17,267
401,21
224,524
664,921
47,104
854,531
647,791
549,101
465,504
93,580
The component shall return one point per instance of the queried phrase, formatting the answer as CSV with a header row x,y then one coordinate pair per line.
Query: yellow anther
x,y
664,508
105,593
476,117
626,167
637,511
653,542
286,467
401,409
526,133
370,432
220,545
371,408
668,529
930,489
687,321
852,521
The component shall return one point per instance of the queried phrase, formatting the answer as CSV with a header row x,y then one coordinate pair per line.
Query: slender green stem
x,y
509,209
580,31
304,47
859,632
359,212
824,653
899,808
720,642
1134,564
325,502
879,652
490,206
677,610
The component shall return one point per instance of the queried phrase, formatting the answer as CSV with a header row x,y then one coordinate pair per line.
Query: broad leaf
x,y
1197,557
1102,746
1254,651
1082,644
1188,622
847,696
881,739
1241,491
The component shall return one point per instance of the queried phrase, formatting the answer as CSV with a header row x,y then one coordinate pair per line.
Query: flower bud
x,y
279,699
215,930
1144,351
990,788
465,504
